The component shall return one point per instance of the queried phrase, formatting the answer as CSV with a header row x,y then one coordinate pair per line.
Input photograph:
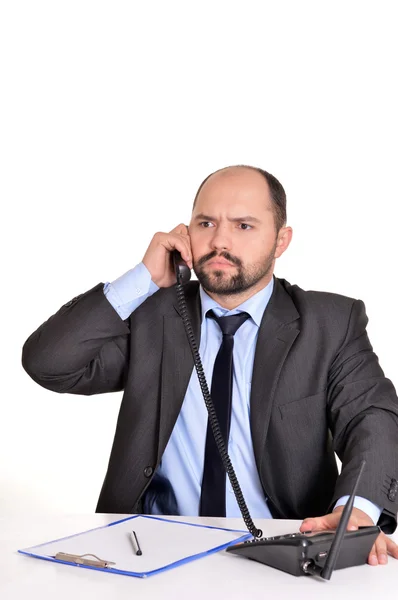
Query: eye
x,y
205,223
245,226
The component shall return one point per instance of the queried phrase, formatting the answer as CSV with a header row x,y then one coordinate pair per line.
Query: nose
x,y
221,240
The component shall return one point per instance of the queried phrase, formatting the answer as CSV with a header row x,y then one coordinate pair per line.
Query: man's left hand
x,y
382,546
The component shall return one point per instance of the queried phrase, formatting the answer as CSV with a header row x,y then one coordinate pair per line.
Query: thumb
x,y
326,522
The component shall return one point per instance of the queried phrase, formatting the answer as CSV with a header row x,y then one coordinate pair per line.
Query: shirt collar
x,y
255,305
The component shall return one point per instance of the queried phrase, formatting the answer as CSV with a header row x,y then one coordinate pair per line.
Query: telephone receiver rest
x,y
182,271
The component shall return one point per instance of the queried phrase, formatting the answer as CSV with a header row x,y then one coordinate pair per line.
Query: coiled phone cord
x,y
256,533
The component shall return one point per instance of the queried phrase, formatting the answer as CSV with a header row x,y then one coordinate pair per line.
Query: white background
x,y
112,113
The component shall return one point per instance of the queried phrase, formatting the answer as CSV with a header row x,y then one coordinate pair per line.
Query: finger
x,y
372,558
392,547
320,523
327,522
180,243
381,549
187,242
187,254
181,229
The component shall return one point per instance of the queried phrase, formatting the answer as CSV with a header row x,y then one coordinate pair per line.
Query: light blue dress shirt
x,y
183,458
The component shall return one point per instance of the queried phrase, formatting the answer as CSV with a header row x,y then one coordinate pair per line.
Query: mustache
x,y
226,255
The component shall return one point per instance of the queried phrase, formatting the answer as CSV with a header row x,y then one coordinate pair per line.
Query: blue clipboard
x,y
165,544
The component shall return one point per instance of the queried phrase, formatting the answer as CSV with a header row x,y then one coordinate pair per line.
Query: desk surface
x,y
217,576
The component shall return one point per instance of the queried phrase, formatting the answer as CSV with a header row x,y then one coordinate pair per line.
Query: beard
x,y
221,283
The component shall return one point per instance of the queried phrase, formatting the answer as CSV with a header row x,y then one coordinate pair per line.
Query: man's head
x,y
239,217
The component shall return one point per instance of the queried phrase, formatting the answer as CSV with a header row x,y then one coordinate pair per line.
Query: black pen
x,y
136,546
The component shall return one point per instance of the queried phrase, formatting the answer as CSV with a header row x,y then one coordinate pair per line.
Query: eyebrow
x,y
247,218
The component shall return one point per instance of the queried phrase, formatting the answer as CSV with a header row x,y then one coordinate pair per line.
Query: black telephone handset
x,y
295,553
182,271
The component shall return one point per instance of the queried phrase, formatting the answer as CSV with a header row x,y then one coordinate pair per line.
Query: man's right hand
x,y
157,258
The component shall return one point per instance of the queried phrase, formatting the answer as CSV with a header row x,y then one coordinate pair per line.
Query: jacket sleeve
x,y
81,349
363,415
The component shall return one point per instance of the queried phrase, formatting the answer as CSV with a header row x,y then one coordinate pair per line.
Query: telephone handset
x,y
296,553
182,271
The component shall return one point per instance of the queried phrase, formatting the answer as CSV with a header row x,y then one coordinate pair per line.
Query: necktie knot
x,y
229,325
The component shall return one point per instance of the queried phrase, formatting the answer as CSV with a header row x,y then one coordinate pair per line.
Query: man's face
x,y
232,233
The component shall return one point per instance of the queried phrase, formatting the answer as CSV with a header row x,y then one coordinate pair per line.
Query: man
x,y
306,382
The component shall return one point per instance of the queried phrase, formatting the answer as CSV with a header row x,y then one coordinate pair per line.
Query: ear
x,y
285,235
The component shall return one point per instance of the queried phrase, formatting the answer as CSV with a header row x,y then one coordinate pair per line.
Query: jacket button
x,y
392,492
73,300
148,471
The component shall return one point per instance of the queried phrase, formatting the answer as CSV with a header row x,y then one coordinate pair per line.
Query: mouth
x,y
220,263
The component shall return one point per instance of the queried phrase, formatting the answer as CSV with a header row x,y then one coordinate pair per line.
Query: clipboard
x,y
165,544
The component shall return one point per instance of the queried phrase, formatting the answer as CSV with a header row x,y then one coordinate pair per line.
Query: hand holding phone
x,y
158,258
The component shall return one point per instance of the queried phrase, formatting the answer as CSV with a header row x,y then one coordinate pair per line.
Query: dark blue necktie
x,y
212,499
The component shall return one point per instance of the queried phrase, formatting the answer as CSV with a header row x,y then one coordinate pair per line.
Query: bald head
x,y
244,181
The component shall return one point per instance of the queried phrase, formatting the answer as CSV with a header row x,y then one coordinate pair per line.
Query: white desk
x,y
221,576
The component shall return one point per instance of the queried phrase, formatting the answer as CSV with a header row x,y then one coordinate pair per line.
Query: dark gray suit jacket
x,y
317,388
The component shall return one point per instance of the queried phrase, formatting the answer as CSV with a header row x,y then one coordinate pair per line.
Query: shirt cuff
x,y
372,510
130,290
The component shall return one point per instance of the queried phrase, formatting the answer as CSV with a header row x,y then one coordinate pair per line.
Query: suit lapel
x,y
177,362
276,336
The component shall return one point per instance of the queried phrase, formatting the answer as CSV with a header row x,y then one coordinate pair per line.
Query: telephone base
x,y
291,552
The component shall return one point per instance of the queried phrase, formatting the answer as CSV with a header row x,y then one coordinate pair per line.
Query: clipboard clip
x,y
79,559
